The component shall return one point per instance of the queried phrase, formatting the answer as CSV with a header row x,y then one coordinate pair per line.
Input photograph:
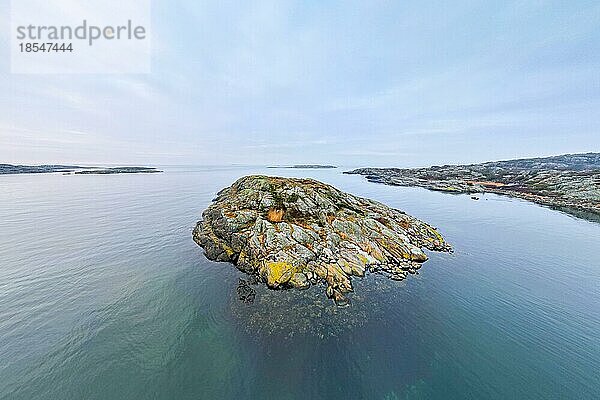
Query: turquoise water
x,y
103,295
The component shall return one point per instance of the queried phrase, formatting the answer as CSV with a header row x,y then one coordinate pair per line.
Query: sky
x,y
370,83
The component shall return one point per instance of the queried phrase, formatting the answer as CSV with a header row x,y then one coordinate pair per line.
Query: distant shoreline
x,y
10,169
567,182
304,166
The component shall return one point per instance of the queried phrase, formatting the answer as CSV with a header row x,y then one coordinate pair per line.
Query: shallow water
x,y
103,295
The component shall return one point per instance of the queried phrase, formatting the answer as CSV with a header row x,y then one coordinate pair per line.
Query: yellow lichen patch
x,y
439,237
374,251
230,252
321,271
222,244
279,273
345,266
488,184
420,257
275,215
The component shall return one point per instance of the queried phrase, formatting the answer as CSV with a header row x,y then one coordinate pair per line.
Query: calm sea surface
x,y
104,295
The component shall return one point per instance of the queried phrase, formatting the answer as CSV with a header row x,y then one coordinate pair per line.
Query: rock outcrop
x,y
293,233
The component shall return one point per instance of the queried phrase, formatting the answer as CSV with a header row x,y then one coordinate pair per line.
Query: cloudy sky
x,y
350,83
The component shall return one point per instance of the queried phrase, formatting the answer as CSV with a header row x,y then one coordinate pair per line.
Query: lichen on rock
x,y
293,233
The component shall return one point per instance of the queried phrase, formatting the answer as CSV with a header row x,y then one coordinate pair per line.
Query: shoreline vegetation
x,y
569,182
10,169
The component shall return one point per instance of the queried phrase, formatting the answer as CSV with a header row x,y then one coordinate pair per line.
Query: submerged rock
x,y
245,293
293,233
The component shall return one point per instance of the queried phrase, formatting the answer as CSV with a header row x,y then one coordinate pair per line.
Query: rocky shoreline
x,y
568,182
294,233
10,169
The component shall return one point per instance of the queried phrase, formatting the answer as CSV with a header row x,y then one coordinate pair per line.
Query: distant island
x,y
36,169
120,170
9,169
304,166
570,181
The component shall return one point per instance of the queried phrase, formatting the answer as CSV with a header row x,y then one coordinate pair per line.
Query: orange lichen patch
x,y
487,184
275,215
404,224
304,225
330,218
366,247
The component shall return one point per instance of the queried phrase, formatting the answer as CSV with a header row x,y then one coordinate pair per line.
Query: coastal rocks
x,y
570,182
294,233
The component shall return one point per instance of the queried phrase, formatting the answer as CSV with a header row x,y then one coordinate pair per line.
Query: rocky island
x,y
570,182
304,166
293,233
9,169
120,170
